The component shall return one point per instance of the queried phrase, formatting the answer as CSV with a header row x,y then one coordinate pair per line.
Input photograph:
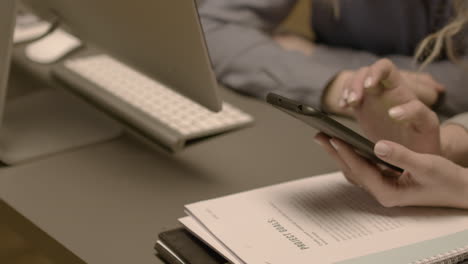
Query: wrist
x,y
454,143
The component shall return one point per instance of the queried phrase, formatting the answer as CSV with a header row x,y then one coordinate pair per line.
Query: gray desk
x,y
106,203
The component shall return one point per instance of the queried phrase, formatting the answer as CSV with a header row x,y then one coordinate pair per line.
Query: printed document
x,y
321,219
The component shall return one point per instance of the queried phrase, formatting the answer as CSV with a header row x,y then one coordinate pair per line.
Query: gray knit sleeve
x,y
461,119
247,59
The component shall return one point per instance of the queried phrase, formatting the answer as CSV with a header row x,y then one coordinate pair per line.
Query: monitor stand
x,y
48,122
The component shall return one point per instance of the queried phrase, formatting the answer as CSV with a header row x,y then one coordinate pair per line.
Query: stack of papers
x,y
324,219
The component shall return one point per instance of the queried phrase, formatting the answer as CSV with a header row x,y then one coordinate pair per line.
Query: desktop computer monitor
x,y
30,124
160,38
7,21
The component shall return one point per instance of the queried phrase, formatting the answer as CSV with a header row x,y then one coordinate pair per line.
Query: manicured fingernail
x,y
352,98
342,103
368,82
345,94
382,149
318,141
334,144
396,113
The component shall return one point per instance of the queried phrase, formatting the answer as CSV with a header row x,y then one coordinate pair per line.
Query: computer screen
x,y
7,20
162,39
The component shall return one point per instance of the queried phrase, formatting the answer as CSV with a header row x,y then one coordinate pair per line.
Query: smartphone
x,y
322,122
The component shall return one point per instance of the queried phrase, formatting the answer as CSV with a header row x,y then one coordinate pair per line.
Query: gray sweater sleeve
x,y
246,58
454,77
461,119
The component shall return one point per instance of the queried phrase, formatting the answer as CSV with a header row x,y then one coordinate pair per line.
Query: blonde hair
x,y
336,8
431,47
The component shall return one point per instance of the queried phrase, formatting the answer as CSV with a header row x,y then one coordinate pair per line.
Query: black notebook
x,y
178,246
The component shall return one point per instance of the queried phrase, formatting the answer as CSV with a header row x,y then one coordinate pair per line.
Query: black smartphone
x,y
322,122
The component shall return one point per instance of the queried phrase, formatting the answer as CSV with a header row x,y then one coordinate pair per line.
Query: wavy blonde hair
x,y
432,46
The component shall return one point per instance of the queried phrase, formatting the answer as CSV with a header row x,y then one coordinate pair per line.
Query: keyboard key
x,y
154,100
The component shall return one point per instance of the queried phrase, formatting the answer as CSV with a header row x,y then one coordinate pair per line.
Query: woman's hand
x,y
428,180
386,108
332,101
426,89
422,85
338,95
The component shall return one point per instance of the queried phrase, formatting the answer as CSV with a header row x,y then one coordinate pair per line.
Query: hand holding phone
x,y
322,122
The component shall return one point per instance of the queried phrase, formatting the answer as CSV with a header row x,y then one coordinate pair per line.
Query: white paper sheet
x,y
202,233
321,218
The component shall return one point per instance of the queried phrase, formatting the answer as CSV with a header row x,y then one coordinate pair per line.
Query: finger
x,y
356,90
429,81
427,89
324,141
383,72
343,101
364,173
400,156
417,113
344,98
441,88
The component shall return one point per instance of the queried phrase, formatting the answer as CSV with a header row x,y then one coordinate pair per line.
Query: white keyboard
x,y
150,102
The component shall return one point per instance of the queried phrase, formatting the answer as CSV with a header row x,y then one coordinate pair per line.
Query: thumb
x,y
399,155
440,88
383,72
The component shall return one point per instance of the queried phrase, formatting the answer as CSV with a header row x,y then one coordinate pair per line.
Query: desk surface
x,y
106,203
